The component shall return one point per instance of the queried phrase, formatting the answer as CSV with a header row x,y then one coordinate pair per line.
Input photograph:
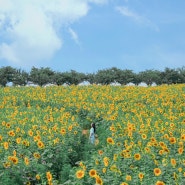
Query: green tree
x,y
73,77
20,77
41,76
171,76
107,76
150,76
181,72
125,76
6,75
137,78
90,78
59,78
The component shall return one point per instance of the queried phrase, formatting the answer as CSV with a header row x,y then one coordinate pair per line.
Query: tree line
x,y
42,76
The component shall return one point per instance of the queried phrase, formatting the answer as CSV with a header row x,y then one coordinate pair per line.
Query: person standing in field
x,y
92,133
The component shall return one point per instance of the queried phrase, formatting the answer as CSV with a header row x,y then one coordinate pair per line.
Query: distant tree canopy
x,y
43,76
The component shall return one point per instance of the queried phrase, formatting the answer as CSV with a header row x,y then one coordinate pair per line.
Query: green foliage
x,y
150,76
20,78
6,75
42,76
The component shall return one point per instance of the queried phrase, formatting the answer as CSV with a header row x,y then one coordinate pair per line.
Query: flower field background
x,y
141,135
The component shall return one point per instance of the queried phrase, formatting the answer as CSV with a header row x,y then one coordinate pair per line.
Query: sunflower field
x,y
140,135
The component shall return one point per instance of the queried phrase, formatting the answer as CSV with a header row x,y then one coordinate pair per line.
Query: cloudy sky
x,y
90,35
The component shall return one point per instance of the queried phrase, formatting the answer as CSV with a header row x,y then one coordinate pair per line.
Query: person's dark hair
x,y
93,125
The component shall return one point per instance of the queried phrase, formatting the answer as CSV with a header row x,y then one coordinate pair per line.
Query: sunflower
x,y
164,162
18,129
141,175
14,159
128,178
104,170
6,145
30,133
166,150
112,128
115,157
147,149
92,173
162,144
183,137
157,171
81,164
124,183
180,169
180,150
118,143
63,131
36,155
99,181
130,127
18,140
130,133
153,139
3,123
70,127
173,162
37,177
110,140
55,141
37,137
114,168
6,164
1,137
97,162
26,161
14,153
160,183
40,144
100,152
106,161
144,136
8,125
11,133
161,152
49,176
181,143
137,156
26,142
172,140
80,174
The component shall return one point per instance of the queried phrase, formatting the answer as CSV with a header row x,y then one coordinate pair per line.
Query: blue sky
x,y
90,35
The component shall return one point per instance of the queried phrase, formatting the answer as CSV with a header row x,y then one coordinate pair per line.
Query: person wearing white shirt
x,y
92,133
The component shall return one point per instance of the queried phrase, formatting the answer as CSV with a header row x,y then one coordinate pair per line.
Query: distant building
x,y
31,84
84,83
130,84
115,84
142,84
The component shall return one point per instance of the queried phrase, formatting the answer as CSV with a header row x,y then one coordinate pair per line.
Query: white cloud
x,y
74,36
98,1
8,53
128,13
125,11
31,28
